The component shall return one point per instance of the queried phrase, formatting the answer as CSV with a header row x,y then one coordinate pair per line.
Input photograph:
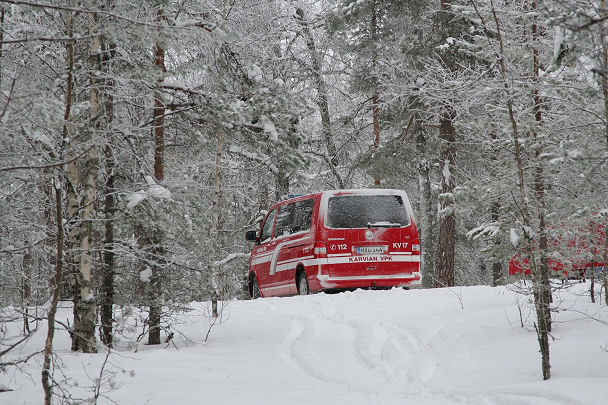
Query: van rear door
x,y
370,235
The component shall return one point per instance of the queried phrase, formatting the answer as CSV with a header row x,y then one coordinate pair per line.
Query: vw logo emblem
x,y
369,234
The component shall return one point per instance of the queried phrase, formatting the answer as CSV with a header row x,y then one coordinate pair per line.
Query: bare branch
x,y
10,168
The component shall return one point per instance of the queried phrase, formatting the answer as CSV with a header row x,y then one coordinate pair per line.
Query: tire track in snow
x,y
366,357
517,396
299,350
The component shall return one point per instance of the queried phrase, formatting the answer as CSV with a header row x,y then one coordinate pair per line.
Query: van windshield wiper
x,y
383,224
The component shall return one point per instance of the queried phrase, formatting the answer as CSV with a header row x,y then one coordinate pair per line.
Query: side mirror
x,y
251,236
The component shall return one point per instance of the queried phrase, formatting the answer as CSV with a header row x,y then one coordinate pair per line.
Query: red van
x,y
583,250
334,240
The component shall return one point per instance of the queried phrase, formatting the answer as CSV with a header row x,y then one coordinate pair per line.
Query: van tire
x,y
254,288
303,287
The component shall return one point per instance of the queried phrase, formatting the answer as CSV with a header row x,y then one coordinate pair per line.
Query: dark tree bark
x,y
497,272
376,94
447,219
605,272
604,59
154,317
2,11
541,297
542,289
282,185
26,292
444,273
107,280
47,384
215,222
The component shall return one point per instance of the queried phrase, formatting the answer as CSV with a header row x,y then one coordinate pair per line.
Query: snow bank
x,y
435,347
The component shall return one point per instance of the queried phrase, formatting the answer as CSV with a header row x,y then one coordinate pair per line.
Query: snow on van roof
x,y
365,191
359,191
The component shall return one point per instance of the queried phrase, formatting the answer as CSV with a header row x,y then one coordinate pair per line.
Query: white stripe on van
x,y
405,276
292,263
261,259
309,261
277,249
374,259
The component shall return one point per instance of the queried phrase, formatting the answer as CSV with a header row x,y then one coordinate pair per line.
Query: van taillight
x,y
320,249
416,248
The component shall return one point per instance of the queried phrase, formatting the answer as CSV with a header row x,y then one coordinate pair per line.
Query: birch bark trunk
x,y
83,338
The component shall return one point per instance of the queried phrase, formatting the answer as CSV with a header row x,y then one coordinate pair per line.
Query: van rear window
x,y
362,211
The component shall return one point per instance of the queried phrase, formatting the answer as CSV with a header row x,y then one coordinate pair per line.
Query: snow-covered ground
x,y
442,346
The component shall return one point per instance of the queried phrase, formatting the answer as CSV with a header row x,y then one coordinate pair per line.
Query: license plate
x,y
370,250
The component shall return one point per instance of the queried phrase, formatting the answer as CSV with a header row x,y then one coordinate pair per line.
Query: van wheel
x,y
255,288
303,288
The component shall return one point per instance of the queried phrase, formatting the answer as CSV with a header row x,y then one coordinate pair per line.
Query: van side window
x,y
284,221
267,228
293,218
302,216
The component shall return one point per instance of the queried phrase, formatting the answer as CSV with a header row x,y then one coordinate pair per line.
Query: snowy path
x,y
383,347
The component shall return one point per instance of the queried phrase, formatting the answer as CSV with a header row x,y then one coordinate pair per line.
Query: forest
x,y
141,139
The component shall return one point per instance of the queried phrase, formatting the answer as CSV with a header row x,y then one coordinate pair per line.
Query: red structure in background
x,y
585,255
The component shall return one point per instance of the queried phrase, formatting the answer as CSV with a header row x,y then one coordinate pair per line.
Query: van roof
x,y
358,191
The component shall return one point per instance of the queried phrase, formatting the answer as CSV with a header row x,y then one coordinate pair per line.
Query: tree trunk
x,y
26,292
497,275
604,61
375,95
444,273
47,384
605,272
282,185
317,72
592,287
542,332
83,338
72,177
2,11
427,225
446,216
604,39
542,289
47,262
215,222
497,272
154,318
107,281
2,17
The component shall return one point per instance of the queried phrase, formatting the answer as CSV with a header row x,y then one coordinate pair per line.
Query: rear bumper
x,y
323,282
